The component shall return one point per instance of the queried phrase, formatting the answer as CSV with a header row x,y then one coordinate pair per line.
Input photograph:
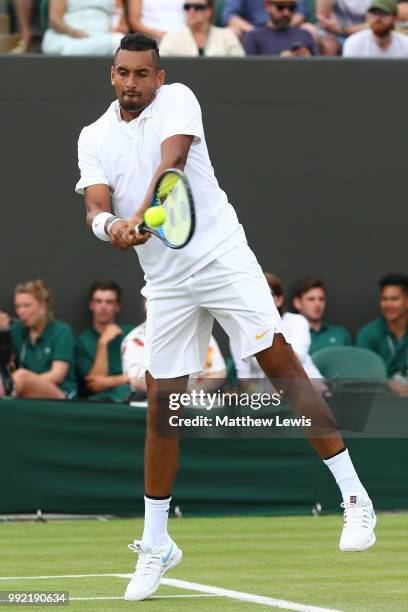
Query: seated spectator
x,y
132,351
278,35
98,348
379,40
309,298
23,10
156,17
243,16
295,329
44,347
7,386
199,37
388,335
84,27
338,19
402,17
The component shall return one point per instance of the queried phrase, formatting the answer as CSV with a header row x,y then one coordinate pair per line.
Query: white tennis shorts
x,y
231,289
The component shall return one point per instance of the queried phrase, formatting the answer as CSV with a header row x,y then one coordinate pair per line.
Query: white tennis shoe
x,y
150,567
359,523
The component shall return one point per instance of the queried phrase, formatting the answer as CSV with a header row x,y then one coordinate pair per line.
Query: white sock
x,y
346,477
155,523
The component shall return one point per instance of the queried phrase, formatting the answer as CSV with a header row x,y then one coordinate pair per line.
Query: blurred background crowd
x,y
211,28
40,356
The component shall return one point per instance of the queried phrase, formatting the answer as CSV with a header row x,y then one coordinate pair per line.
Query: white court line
x,y
64,576
203,588
151,597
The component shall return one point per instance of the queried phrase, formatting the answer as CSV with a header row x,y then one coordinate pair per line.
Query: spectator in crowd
x,y
379,40
199,36
278,35
337,20
44,347
7,386
309,297
98,348
295,329
388,335
84,27
402,17
132,351
243,16
23,10
156,17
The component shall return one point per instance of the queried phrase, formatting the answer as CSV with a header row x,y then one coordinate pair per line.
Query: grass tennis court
x,y
295,559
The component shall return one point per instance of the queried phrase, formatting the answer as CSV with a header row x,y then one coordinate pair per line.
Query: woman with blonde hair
x,y
44,347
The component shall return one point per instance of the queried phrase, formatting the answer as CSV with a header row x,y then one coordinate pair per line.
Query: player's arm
x,y
174,153
97,200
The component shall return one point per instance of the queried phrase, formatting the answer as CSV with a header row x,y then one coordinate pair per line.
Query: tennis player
x,y
149,128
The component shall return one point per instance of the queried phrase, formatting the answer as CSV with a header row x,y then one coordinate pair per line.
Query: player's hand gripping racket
x,y
174,224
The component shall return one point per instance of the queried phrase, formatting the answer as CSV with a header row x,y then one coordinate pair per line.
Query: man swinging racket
x,y
150,128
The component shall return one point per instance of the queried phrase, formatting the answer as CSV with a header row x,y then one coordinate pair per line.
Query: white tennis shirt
x,y
126,155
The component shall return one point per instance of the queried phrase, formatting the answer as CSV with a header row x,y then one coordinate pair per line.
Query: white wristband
x,y
112,223
98,225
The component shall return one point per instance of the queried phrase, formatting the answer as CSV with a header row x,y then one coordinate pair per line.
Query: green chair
x,y
350,362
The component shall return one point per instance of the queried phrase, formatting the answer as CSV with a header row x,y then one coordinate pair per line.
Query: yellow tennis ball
x,y
155,216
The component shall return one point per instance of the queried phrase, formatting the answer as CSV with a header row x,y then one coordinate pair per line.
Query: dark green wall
x,y
315,149
72,457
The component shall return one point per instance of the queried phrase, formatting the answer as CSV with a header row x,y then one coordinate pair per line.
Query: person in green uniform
x,y
388,334
97,352
43,347
309,299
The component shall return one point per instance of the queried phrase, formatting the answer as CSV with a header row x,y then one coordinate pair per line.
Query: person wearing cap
x,y
379,40
278,35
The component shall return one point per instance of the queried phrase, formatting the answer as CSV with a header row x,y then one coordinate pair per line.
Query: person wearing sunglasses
x,y
200,36
379,40
278,35
243,16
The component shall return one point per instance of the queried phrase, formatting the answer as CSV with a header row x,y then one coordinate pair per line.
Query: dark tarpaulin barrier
x,y
77,457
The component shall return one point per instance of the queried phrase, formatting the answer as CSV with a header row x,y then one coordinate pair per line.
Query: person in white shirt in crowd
x,y
379,40
199,36
84,27
156,17
338,19
132,353
296,330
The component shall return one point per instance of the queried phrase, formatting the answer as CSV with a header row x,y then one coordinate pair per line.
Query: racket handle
x,y
140,229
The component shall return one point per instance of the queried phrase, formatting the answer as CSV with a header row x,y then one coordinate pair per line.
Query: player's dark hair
x,y
274,283
139,42
396,280
303,285
105,286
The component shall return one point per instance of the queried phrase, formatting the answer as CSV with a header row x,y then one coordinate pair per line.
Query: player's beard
x,y
132,106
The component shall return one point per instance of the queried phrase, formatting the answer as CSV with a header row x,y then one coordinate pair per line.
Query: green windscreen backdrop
x,y
73,457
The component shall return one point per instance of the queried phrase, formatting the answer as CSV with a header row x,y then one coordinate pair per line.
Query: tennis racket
x,y
173,192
